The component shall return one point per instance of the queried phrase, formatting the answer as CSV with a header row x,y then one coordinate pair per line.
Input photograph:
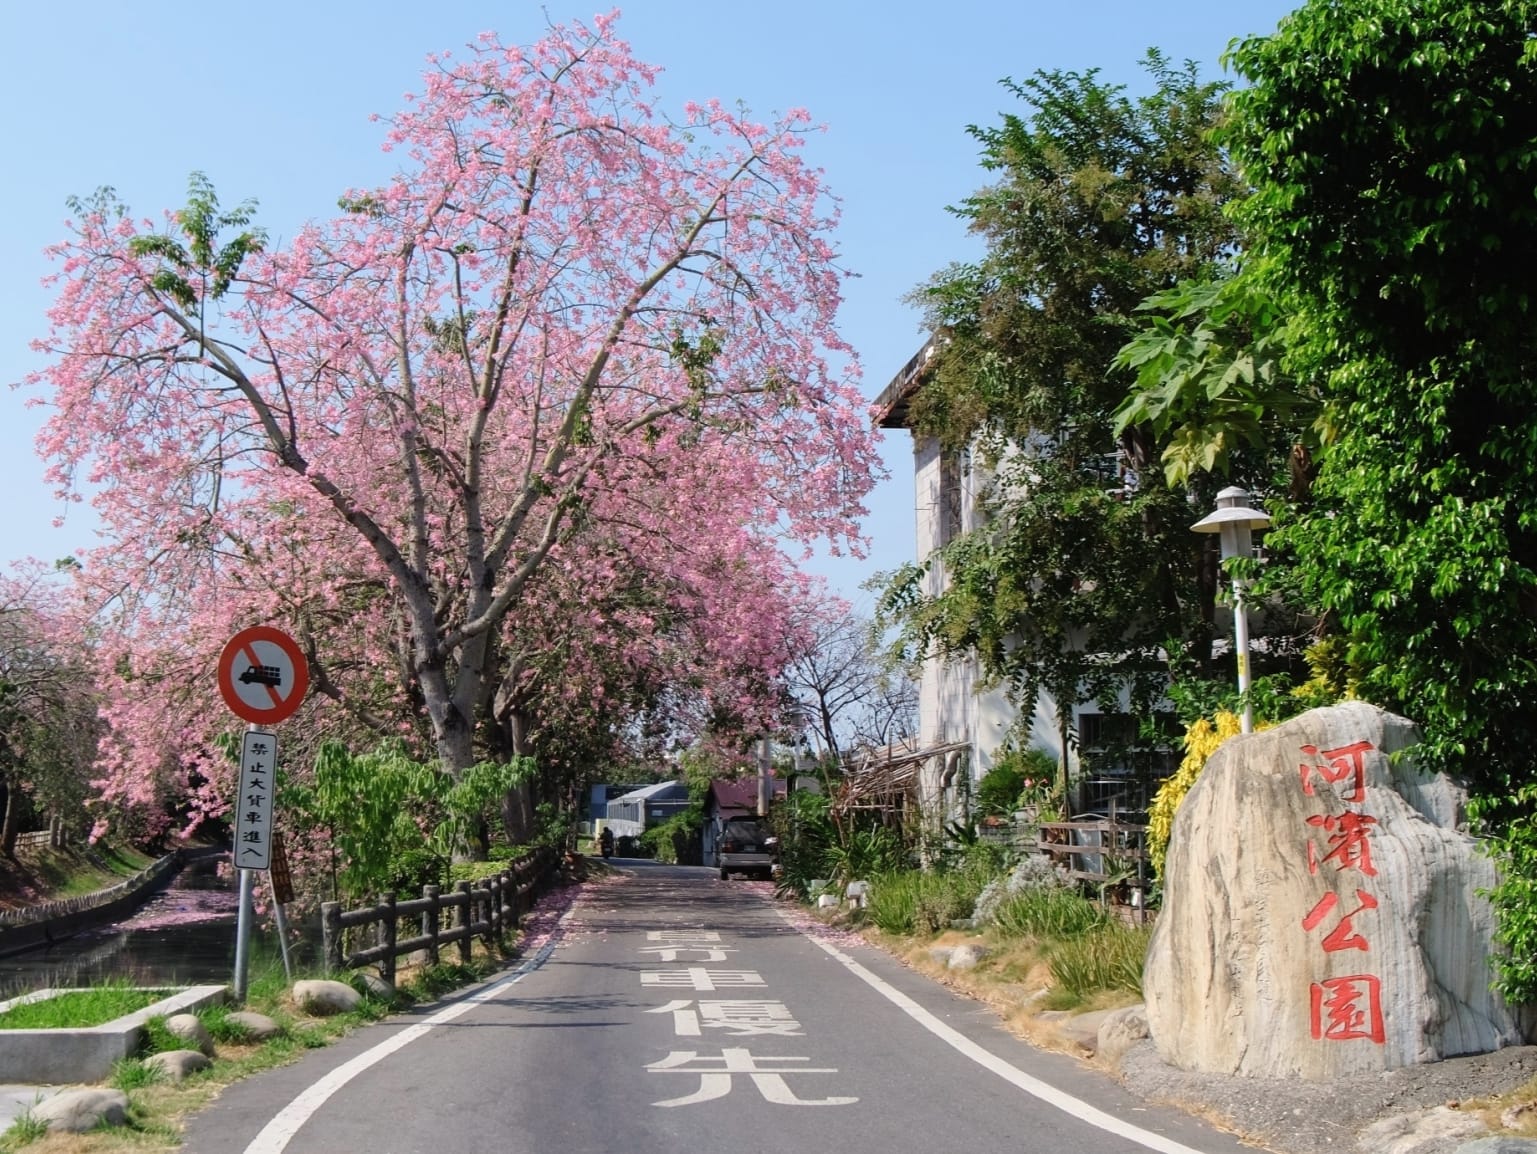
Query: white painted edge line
x,y
277,1133
1047,1093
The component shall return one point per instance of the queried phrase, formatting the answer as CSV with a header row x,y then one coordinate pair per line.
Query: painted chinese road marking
x,y
740,1018
682,936
670,953
716,1075
699,978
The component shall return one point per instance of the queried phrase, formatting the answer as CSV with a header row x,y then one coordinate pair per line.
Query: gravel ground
x,y
1290,1116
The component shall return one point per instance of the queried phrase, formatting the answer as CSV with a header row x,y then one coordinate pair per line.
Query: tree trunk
x,y
1064,732
518,802
11,828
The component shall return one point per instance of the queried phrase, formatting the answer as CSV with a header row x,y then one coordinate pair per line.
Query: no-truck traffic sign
x,y
263,675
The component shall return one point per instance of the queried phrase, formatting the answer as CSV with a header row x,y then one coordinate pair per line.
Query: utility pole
x,y
764,765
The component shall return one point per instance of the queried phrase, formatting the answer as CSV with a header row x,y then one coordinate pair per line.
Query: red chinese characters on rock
x,y
1337,764
1348,841
1338,1012
1345,1008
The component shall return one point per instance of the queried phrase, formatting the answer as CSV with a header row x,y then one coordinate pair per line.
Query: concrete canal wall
x,y
56,921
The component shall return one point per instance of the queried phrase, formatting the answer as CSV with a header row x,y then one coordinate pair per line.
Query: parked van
x,y
745,845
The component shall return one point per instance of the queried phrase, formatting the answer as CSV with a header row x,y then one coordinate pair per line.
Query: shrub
x,y
1032,872
1109,958
806,836
1048,912
999,789
914,901
893,902
1201,741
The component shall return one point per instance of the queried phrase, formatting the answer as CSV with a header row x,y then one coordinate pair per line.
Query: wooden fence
x,y
1105,852
487,909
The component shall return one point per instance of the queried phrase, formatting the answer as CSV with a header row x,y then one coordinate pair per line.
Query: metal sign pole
x,y
277,909
263,676
243,937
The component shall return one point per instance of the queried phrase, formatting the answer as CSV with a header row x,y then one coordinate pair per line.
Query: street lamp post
x,y
1236,522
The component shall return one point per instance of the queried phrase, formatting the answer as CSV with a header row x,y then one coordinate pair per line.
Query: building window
x,y
1122,760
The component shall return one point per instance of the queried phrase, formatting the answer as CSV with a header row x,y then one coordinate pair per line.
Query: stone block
x,y
257,1027
966,956
323,997
1120,1031
80,1110
87,1054
174,1065
188,1028
1323,909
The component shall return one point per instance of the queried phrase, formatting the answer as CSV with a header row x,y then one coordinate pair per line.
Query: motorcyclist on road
x,y
606,840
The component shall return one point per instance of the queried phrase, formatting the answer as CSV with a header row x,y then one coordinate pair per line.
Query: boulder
x,y
1498,1145
1422,1132
323,997
80,1110
1322,909
188,1028
174,1065
376,987
1119,1032
940,955
256,1027
966,956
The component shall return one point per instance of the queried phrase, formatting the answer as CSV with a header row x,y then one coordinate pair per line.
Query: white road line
x,y
276,1134
1046,1093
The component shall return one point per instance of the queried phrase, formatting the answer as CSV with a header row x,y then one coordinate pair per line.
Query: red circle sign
x,y
263,675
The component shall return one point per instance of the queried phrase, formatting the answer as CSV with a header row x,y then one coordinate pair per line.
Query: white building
x,y
950,709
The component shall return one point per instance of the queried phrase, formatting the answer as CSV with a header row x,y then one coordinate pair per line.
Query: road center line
x,y
1049,1094
277,1133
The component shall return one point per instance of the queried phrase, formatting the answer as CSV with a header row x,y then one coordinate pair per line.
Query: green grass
x,y
919,902
132,1074
1108,958
79,1009
25,1130
71,872
1047,913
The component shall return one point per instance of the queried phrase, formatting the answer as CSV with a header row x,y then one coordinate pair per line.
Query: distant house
x,y
733,798
632,813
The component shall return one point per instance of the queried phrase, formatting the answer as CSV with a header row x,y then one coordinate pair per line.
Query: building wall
x,y
949,707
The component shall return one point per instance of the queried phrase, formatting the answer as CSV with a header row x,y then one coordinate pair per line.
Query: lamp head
x,y
1235,521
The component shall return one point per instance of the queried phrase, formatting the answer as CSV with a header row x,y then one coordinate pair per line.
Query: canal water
x,y
184,935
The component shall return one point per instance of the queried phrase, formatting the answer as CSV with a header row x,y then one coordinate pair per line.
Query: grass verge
x,y
79,1009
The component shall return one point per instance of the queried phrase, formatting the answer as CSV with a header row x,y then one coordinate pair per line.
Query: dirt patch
x,y
1296,1117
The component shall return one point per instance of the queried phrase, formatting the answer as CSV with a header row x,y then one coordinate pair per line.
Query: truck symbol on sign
x,y
262,675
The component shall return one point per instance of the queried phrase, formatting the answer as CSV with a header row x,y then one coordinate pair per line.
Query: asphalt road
x,y
676,1012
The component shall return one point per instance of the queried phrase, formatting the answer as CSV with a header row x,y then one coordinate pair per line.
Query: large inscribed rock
x,y
1321,909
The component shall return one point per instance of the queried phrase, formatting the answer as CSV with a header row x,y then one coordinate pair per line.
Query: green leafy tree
x,y
1392,150
383,820
1080,576
1213,387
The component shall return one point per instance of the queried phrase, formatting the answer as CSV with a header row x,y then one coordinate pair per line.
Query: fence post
x,y
331,935
466,920
430,919
387,936
494,888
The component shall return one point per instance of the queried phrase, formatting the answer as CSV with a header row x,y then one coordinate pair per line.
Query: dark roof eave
x,y
892,404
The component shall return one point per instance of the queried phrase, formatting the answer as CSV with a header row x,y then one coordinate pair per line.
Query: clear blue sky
x,y
272,101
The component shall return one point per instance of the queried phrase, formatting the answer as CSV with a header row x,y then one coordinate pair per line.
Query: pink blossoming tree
x,y
546,405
